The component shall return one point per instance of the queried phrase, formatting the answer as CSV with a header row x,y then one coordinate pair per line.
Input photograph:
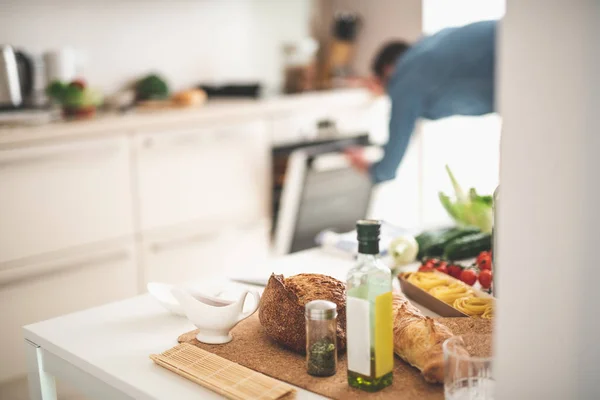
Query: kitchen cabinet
x,y
201,252
58,196
51,286
214,174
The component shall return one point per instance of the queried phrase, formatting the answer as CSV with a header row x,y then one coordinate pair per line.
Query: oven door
x,y
321,191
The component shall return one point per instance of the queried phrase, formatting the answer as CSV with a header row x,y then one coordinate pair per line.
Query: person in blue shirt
x,y
448,73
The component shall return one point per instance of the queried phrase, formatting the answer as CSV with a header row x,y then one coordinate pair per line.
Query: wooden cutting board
x,y
252,348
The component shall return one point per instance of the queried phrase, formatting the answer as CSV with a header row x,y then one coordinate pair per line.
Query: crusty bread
x,y
282,304
418,339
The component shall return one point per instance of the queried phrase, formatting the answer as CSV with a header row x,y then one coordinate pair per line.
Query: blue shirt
x,y
448,73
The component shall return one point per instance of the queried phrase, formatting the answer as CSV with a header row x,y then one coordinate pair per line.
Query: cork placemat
x,y
252,348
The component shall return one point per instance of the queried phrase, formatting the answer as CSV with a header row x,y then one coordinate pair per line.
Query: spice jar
x,y
321,346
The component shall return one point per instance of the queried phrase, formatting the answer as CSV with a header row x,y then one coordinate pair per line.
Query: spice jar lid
x,y
321,309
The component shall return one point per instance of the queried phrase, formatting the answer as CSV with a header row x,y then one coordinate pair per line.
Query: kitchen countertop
x,y
148,120
112,343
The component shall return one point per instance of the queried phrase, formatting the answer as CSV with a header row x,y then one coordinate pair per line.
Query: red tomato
x,y
454,270
485,278
442,267
484,260
426,268
468,276
483,254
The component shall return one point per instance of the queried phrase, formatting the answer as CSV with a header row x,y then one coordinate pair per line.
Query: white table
x,y
104,351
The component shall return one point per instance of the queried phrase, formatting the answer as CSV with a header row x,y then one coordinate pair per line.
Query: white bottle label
x,y
358,335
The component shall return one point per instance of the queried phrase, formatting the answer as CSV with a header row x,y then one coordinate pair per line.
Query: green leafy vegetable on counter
x,y
151,87
468,208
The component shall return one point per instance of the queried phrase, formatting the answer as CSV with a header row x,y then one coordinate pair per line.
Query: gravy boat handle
x,y
256,296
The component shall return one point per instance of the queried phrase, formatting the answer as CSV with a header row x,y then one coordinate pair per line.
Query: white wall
x,y
547,318
187,40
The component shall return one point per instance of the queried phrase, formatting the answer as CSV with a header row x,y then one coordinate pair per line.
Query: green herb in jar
x,y
321,358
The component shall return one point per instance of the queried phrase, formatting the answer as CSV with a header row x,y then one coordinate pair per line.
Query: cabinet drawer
x,y
217,174
60,196
63,284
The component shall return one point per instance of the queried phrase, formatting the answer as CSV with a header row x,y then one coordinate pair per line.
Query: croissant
x,y
418,339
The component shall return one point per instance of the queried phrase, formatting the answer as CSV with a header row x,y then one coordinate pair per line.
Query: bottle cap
x,y
320,310
367,230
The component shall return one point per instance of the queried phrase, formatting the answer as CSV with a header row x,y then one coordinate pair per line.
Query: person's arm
x,y
406,109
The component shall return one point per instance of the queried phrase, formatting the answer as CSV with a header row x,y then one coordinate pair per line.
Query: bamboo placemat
x,y
220,375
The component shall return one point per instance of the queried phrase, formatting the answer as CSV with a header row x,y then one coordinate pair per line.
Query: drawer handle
x,y
60,156
161,247
21,274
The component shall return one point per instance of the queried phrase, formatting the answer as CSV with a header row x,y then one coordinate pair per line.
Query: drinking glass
x,y
468,368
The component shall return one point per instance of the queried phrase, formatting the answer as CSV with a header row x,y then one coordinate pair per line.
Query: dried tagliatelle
x,y
427,280
449,294
488,313
472,306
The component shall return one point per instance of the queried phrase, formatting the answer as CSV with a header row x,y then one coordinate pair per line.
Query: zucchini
x,y
426,238
432,243
468,246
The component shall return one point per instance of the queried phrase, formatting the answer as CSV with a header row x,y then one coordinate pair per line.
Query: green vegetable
x,y
432,243
72,96
404,250
436,248
468,246
468,209
425,239
56,90
151,87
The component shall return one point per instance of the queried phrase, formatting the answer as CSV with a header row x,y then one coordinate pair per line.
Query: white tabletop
x,y
113,342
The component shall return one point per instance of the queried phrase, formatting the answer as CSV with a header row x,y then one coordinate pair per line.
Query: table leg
x,y
41,384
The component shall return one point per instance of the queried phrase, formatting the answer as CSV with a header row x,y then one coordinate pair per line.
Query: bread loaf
x,y
282,304
418,339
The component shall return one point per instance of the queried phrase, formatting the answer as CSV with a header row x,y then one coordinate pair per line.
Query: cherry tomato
x,y
426,268
485,278
79,83
454,270
483,254
484,260
468,276
442,267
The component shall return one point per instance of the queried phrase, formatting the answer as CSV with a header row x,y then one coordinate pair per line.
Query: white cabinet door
x,y
215,174
199,253
54,197
470,146
66,283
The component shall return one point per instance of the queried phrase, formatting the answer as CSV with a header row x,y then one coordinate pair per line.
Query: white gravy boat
x,y
215,318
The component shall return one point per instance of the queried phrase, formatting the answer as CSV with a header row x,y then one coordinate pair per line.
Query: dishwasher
x,y
315,188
